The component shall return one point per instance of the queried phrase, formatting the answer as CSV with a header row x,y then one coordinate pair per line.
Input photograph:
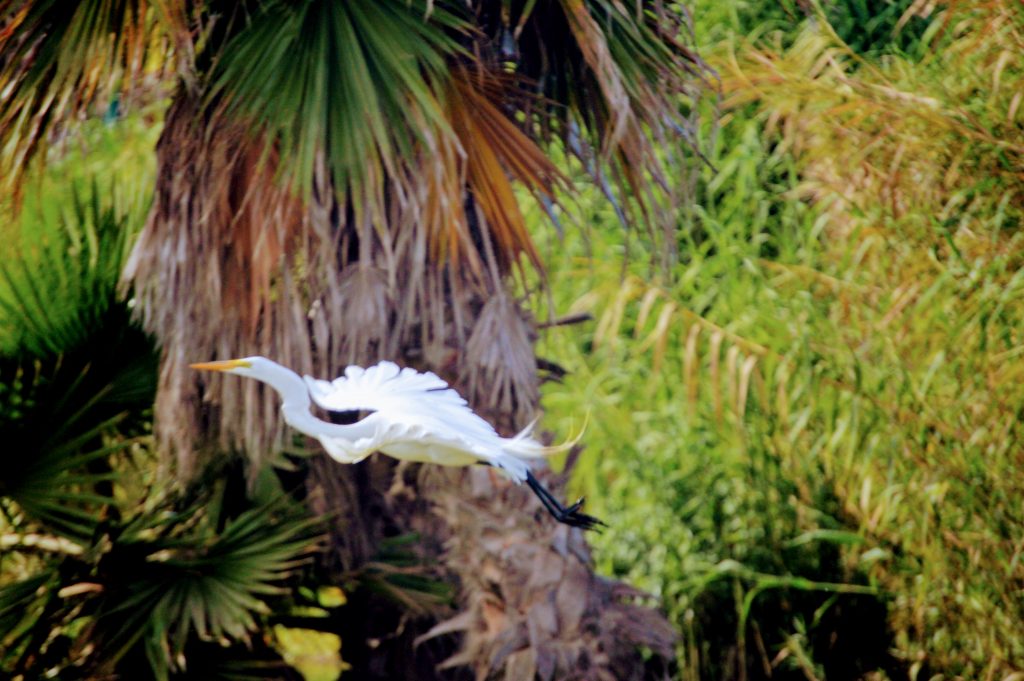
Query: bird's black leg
x,y
546,498
569,515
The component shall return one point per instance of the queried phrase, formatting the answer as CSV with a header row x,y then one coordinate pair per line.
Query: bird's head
x,y
285,381
260,368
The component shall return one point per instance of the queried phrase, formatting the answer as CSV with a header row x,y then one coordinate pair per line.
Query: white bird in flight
x,y
413,416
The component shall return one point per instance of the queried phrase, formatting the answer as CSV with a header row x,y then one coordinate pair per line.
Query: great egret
x,y
414,416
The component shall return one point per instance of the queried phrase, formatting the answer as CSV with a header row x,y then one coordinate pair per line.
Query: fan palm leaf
x,y
154,584
168,581
21,603
355,82
71,367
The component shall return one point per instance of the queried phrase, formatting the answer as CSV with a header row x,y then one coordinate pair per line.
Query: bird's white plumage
x,y
417,416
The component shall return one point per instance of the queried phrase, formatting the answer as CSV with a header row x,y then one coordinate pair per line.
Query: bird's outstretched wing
x,y
406,396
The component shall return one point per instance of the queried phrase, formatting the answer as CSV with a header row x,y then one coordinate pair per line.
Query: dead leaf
x,y
521,665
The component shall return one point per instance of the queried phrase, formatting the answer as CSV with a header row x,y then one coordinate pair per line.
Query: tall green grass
x,y
695,451
806,438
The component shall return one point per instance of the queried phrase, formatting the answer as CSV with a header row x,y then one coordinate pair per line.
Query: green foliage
x,y
354,80
54,294
874,27
716,23
805,439
683,461
173,579
101,571
870,27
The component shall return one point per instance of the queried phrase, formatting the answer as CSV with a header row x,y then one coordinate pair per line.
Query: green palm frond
x,y
197,584
59,276
160,587
29,608
21,604
398,574
357,81
72,368
57,421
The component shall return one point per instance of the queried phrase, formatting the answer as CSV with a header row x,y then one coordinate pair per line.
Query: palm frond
x,y
58,418
56,60
397,573
21,605
615,83
58,276
159,587
353,81
497,152
72,368
197,583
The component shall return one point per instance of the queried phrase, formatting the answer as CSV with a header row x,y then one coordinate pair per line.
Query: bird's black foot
x,y
569,515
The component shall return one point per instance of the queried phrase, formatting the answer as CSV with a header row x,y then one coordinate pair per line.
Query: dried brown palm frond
x,y
498,152
498,366
618,84
205,264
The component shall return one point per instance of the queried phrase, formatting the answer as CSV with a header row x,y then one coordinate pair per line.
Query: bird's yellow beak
x,y
225,365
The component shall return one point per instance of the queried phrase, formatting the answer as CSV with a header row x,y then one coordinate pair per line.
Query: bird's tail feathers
x,y
523,444
515,466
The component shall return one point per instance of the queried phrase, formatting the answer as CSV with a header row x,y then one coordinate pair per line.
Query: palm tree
x,y
337,184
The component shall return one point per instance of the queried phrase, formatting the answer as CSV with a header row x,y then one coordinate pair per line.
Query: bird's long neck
x,y
302,419
296,404
289,385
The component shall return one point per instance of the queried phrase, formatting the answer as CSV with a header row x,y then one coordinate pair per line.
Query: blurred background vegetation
x,y
808,438
805,436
